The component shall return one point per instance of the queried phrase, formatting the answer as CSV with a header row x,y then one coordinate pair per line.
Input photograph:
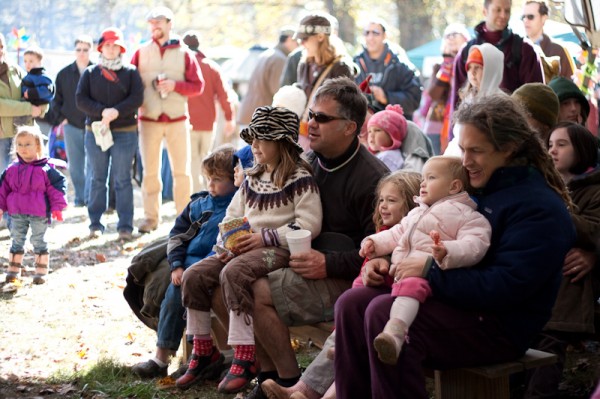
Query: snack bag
x,y
232,229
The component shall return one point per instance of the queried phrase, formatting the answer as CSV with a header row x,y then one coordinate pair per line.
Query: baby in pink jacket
x,y
446,226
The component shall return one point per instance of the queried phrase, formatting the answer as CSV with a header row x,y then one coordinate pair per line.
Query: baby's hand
x,y
438,249
367,248
435,236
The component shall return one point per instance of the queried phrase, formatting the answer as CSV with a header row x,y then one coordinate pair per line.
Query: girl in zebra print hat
x,y
278,195
273,124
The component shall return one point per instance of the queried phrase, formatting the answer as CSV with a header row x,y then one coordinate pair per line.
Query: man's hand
x,y
166,86
310,265
379,94
410,267
375,271
248,242
578,263
176,276
367,248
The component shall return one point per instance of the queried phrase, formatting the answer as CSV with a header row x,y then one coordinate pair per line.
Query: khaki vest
x,y
172,64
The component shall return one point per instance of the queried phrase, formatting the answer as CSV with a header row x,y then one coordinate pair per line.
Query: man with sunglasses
x,y
521,62
392,81
63,110
347,175
535,14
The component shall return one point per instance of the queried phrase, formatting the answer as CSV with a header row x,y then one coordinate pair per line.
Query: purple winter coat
x,y
34,189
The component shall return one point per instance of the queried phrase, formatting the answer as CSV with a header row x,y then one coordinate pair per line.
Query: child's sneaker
x,y
233,383
201,368
388,343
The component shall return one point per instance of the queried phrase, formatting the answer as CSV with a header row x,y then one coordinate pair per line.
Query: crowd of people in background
x,y
337,145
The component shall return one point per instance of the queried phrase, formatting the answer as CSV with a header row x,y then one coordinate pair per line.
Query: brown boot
x,y
388,343
41,268
14,267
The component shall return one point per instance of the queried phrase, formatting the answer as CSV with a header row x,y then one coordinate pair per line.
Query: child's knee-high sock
x,y
241,335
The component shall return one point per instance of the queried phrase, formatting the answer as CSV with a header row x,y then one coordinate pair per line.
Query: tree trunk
x,y
414,23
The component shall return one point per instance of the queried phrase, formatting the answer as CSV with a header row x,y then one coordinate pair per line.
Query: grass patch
x,y
110,379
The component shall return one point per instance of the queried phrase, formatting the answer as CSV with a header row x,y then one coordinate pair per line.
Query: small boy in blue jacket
x,y
36,87
191,240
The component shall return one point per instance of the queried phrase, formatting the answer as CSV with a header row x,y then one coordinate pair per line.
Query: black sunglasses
x,y
528,16
320,117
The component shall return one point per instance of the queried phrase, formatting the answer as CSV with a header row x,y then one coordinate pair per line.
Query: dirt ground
x,y
80,315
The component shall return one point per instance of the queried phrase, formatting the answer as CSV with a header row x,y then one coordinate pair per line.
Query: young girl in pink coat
x,y
446,226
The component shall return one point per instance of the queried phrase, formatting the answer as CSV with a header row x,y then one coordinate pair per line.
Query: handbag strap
x,y
112,77
318,83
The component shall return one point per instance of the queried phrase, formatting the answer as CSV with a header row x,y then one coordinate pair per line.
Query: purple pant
x,y
441,337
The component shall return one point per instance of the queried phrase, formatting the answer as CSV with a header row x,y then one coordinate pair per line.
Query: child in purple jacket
x,y
32,192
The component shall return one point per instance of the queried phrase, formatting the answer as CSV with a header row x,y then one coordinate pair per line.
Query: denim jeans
x,y
79,166
170,322
119,158
18,232
5,157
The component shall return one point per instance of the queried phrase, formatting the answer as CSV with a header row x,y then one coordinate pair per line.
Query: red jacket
x,y
202,107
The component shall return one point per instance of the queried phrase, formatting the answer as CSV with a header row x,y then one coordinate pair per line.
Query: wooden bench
x,y
490,382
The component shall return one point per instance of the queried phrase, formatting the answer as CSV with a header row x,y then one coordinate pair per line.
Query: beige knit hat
x,y
540,101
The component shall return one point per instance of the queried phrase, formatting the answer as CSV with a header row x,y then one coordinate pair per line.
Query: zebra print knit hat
x,y
273,124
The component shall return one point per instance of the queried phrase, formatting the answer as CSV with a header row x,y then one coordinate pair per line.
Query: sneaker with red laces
x,y
233,383
201,368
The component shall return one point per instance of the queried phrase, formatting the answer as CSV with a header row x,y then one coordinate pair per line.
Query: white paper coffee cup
x,y
298,241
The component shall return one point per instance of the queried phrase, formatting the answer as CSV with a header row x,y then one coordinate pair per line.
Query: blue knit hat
x,y
244,155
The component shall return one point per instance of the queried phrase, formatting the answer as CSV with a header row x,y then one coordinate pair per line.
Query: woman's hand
x,y
310,265
36,111
176,276
248,242
375,271
109,114
578,263
410,267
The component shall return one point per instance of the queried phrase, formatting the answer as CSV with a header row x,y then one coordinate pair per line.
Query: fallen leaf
x,y
165,383
100,257
67,389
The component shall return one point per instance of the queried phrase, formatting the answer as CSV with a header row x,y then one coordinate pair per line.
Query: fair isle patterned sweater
x,y
273,211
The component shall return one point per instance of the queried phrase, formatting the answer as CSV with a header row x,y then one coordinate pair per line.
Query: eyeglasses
x,y
372,32
530,17
85,50
452,35
320,117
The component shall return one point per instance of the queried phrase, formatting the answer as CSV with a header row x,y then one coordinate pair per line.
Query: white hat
x,y
291,97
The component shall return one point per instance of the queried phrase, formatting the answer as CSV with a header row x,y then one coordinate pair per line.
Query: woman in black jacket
x,y
110,93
